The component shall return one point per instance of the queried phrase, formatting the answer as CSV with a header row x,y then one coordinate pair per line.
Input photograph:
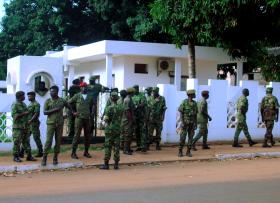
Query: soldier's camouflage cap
x,y
269,89
155,89
93,77
130,90
190,92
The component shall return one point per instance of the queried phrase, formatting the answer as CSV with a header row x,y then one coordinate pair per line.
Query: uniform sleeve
x,y
276,103
14,111
37,108
163,104
181,107
73,99
107,113
262,104
46,106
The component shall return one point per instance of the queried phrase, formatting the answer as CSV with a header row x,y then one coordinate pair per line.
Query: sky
x,y
2,8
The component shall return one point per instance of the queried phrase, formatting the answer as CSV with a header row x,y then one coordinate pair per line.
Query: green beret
x,y
93,77
155,89
190,92
269,89
130,90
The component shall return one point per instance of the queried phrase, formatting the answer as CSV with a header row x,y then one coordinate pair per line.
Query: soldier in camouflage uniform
x,y
140,104
149,98
34,123
123,94
157,111
127,121
270,113
74,89
109,101
188,112
82,120
242,108
20,128
53,108
202,121
112,117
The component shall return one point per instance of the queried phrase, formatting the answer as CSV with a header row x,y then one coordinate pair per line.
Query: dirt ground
x,y
140,176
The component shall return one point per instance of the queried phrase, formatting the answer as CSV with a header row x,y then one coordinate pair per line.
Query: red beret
x,y
83,84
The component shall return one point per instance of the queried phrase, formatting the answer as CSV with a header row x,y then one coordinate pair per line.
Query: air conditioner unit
x,y
165,65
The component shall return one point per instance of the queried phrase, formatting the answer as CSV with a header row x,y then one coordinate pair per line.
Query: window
x,y
140,68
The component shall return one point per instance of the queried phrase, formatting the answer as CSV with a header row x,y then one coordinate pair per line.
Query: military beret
x,y
114,94
204,92
191,92
31,93
83,84
93,77
269,89
122,92
130,90
155,89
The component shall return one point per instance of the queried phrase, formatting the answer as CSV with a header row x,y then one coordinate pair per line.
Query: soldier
x,y
123,94
112,117
270,113
109,100
157,111
242,108
74,89
149,98
20,127
34,123
188,112
127,121
202,121
82,120
53,108
140,103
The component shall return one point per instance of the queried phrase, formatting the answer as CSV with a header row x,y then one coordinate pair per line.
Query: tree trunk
x,y
191,58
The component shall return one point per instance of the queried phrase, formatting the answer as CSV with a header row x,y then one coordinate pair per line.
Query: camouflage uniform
x,y
188,111
20,129
157,111
149,99
34,127
140,104
54,124
269,111
121,103
82,120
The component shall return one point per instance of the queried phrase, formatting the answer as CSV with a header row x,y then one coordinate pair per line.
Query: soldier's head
x,y
114,96
191,94
31,96
123,93
136,87
155,91
54,91
115,89
76,82
83,86
149,91
92,79
245,92
130,91
205,94
269,90
20,96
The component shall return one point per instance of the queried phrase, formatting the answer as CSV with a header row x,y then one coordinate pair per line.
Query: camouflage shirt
x,y
188,111
158,108
242,108
140,104
57,117
202,115
269,107
34,107
93,92
18,108
112,117
82,105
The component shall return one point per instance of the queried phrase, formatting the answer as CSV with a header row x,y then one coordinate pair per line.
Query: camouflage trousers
x,y
155,125
269,124
35,131
53,130
241,126
21,137
127,131
202,132
140,133
71,126
80,124
112,141
187,130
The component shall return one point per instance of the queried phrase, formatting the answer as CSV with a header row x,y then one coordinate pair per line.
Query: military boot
x,y
105,166
265,145
30,157
205,146
17,159
158,146
194,148
39,154
55,160
74,155
180,153
21,153
252,143
272,141
236,144
87,155
44,160
126,149
188,153
116,165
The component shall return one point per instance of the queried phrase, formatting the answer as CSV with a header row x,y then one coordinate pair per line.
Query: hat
x,y
190,92
93,77
31,93
204,92
130,90
155,89
269,89
149,89
83,84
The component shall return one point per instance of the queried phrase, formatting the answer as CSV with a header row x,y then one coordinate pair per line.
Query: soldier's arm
x,y
16,113
48,110
277,109
262,108
36,114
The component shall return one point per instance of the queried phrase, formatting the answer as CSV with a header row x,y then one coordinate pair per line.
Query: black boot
x,y
265,145
105,166
272,141
180,153
44,160
252,143
30,157
74,155
40,153
116,165
194,148
205,146
236,144
126,150
158,146
188,153
55,160
17,159
87,155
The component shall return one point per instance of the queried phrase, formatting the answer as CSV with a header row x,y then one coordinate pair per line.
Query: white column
x,y
239,72
71,74
109,67
178,73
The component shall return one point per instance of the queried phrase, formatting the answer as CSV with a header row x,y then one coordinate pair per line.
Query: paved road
x,y
247,181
